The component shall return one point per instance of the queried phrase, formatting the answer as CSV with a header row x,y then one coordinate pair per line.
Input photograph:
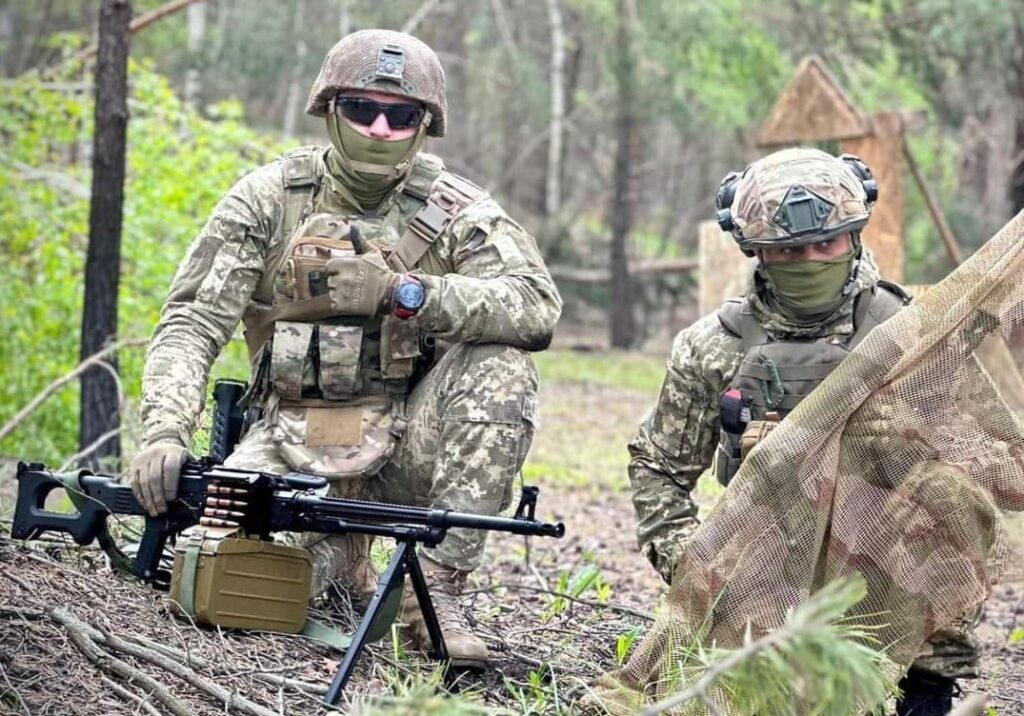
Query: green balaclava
x,y
362,170
809,289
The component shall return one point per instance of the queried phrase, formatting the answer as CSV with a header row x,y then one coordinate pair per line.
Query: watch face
x,y
410,295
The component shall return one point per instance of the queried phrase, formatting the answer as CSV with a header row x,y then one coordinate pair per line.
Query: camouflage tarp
x,y
896,468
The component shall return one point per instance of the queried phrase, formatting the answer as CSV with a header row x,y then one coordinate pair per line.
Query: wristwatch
x,y
409,296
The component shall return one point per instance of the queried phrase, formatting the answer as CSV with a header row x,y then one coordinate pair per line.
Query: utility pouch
x,y
338,348
756,432
290,363
304,268
399,348
728,458
221,578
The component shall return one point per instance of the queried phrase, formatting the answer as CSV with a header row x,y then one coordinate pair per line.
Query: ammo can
x,y
223,579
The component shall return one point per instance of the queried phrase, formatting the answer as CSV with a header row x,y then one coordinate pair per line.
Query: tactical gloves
x,y
361,285
154,475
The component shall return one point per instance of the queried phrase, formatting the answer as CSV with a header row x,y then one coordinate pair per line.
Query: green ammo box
x,y
222,579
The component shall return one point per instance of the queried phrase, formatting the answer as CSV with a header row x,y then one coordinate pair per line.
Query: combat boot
x,y
925,694
345,557
465,649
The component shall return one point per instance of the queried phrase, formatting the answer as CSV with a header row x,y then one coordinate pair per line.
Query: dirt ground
x,y
546,649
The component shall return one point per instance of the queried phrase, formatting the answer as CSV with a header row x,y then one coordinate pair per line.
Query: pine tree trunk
x,y
623,323
99,410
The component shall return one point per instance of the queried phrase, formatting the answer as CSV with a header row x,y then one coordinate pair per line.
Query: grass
x,y
591,404
612,369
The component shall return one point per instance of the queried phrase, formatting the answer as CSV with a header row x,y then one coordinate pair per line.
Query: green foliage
x,y
1016,636
178,165
819,663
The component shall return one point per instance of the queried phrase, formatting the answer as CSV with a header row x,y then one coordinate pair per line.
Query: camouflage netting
x,y
896,467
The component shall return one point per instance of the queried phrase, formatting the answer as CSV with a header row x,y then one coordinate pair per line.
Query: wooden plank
x,y
883,152
812,108
723,270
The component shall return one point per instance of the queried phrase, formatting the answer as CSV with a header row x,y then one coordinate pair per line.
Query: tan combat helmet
x,y
796,197
385,61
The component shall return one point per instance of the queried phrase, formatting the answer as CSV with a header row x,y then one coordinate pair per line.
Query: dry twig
x,y
128,695
93,360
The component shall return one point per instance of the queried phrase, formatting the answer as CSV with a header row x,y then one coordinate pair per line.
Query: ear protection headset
x,y
727,192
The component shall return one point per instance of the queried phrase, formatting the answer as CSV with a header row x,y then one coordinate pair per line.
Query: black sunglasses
x,y
364,111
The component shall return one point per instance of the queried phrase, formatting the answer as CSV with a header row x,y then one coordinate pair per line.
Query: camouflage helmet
x,y
795,197
385,61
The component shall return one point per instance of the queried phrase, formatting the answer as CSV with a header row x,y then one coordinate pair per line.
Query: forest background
x,y
603,126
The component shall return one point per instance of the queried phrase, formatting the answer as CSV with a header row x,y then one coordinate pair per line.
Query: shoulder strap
x,y
736,317
301,175
444,195
876,306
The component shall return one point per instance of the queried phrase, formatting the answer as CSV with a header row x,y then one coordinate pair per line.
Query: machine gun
x,y
261,504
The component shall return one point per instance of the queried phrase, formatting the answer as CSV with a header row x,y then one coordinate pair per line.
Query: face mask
x,y
809,288
366,169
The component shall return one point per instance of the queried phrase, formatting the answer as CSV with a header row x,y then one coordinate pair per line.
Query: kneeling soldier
x,y
398,368
734,374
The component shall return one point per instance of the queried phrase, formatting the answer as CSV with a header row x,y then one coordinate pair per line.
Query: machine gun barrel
x,y
320,508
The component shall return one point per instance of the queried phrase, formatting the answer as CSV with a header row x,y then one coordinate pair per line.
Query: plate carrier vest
x,y
775,375
297,345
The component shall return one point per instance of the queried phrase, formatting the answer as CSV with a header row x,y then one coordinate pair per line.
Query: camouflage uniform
x,y
677,441
470,419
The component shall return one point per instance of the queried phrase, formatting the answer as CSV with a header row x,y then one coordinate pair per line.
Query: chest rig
x,y
324,379
775,375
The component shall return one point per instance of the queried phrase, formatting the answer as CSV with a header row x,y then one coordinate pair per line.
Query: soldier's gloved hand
x,y
154,475
361,285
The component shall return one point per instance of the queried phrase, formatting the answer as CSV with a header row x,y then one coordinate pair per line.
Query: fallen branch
x,y
200,663
228,698
78,633
91,361
128,695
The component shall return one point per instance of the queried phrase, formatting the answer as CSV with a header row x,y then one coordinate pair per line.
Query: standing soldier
x,y
734,374
389,307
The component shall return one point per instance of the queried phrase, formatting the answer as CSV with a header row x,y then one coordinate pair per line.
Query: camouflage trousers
x,y
952,653
470,424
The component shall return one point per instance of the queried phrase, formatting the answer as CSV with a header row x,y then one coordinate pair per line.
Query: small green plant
x,y
589,576
1016,636
624,642
539,694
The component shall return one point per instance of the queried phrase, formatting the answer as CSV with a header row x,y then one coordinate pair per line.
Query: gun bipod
x,y
403,562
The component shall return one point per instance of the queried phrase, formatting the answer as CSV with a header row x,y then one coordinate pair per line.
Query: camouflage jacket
x,y
675,443
484,277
